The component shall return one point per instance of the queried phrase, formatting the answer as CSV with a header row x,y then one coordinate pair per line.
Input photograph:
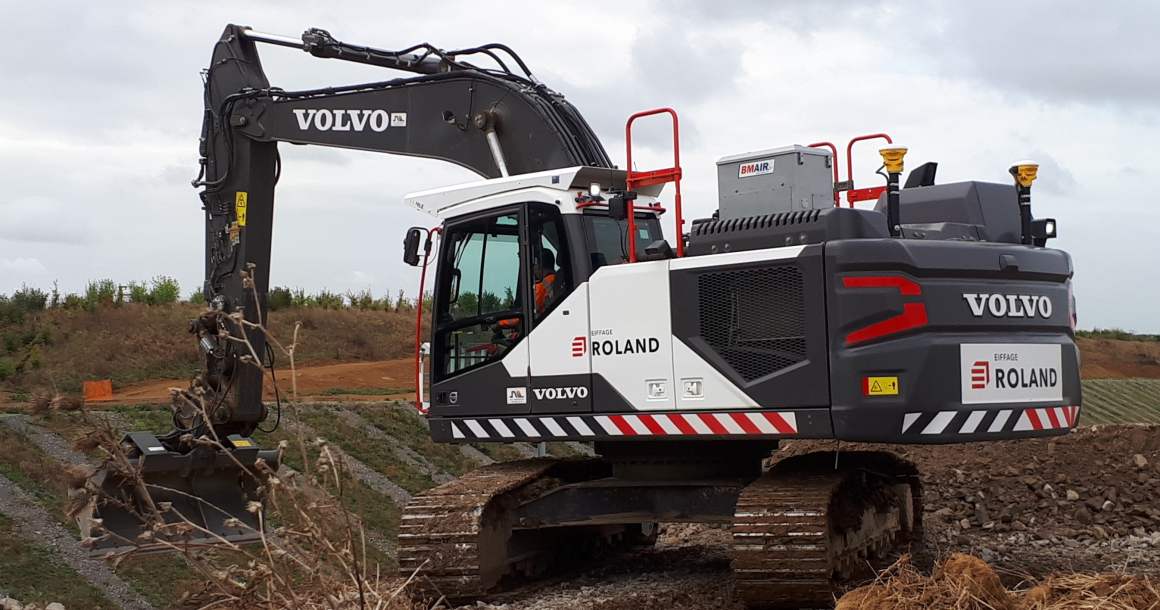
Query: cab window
x,y
608,238
551,266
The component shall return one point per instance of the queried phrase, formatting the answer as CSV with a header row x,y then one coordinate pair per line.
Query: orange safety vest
x,y
543,288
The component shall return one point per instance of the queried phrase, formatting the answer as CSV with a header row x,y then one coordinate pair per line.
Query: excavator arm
x,y
494,121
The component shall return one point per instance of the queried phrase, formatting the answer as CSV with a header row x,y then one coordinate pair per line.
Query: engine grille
x,y
754,318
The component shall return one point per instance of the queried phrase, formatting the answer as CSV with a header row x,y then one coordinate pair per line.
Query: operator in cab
x,y
545,274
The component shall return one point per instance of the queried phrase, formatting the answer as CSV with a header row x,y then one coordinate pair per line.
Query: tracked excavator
x,y
562,313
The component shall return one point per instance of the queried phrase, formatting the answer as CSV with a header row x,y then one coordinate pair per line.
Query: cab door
x,y
559,355
480,317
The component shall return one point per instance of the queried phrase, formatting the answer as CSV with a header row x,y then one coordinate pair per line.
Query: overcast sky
x,y
100,114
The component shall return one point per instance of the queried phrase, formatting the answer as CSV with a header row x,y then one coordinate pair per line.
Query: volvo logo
x,y
348,120
560,393
1009,305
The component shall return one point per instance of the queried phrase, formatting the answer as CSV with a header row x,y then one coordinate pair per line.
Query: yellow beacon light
x,y
892,158
1025,172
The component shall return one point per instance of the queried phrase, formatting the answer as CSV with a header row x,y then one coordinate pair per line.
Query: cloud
x,y
1052,176
22,267
40,220
1052,50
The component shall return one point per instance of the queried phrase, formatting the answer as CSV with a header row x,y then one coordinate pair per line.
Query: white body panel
x,y
559,345
629,310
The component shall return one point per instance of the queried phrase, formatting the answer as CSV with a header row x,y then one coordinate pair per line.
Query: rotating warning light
x,y
1024,172
892,157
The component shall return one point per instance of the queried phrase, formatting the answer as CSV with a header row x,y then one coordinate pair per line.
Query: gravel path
x,y
34,525
582,448
52,443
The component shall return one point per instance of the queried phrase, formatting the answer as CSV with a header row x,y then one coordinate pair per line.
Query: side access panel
x,y
757,319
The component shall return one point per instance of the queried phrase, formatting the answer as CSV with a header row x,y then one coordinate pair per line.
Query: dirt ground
x,y
1085,502
313,378
1107,359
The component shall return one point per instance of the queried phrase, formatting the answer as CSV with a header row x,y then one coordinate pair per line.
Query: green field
x,y
1120,401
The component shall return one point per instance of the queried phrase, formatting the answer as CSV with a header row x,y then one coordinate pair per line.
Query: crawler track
x,y
804,525
455,535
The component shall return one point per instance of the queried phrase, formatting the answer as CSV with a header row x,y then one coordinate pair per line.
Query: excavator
x,y
561,312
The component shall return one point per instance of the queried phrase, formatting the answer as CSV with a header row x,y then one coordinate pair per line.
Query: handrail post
x,y
672,174
850,158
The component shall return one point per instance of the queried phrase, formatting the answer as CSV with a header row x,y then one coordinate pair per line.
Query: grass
x,y
36,473
1120,401
362,392
411,431
31,574
378,513
159,579
373,452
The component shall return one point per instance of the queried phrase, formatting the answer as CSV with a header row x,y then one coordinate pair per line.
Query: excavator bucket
x,y
209,490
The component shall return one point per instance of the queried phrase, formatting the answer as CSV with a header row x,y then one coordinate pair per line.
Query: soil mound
x,y
1097,482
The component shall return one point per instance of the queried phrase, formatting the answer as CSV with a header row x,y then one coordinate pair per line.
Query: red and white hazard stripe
x,y
1047,419
642,424
662,424
976,422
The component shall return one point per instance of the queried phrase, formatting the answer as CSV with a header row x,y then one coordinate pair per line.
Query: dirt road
x,y
313,379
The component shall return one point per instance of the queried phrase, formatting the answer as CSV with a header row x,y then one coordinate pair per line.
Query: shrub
x,y
165,291
138,293
101,293
9,313
7,368
279,298
197,297
330,300
30,299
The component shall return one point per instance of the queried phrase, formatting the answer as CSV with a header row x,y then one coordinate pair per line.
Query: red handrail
x,y
419,322
833,148
672,174
853,195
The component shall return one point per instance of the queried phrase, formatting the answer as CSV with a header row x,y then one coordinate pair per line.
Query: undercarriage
x,y
799,528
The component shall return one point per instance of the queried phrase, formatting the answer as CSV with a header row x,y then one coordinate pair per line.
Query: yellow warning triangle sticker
x,y
875,387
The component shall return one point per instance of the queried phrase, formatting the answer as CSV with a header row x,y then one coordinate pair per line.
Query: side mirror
x,y
411,246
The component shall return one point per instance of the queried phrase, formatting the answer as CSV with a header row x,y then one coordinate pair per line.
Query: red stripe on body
x,y
651,424
682,425
624,427
1054,418
779,422
713,424
746,424
1033,417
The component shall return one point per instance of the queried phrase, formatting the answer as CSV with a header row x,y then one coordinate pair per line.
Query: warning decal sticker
x,y
880,386
997,373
